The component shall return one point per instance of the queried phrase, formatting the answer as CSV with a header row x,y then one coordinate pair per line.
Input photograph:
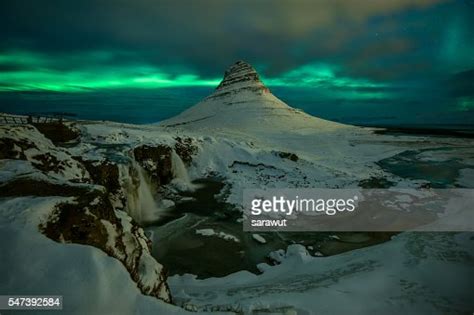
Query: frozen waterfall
x,y
180,173
141,204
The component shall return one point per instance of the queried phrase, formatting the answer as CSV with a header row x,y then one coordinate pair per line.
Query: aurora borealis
x,y
383,60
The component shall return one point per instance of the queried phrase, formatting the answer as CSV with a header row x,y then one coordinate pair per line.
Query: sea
x,y
147,106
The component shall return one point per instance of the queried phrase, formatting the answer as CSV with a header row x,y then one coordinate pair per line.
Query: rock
x,y
33,187
104,173
156,160
185,148
58,132
24,142
47,162
91,220
240,76
287,155
14,149
376,182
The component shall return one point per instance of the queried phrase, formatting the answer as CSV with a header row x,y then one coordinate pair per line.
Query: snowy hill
x,y
243,102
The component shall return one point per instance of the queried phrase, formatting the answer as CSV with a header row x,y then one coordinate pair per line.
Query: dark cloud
x,y
392,58
209,35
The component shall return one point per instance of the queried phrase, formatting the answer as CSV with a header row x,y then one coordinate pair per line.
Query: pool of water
x,y
440,167
181,250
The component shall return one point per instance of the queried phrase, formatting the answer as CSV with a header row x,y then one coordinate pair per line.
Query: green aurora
x,y
35,72
391,62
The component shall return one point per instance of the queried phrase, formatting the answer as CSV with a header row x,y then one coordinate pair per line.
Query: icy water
x,y
181,250
440,167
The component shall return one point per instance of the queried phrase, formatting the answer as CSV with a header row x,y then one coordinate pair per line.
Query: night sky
x,y
368,62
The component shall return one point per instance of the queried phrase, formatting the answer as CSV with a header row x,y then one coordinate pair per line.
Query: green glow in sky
x,y
33,72
325,77
465,104
320,75
456,52
82,81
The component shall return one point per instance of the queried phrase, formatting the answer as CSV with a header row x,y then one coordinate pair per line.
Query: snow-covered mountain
x,y
243,102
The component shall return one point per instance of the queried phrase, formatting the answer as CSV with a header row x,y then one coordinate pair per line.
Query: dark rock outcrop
x,y
185,148
288,155
104,173
375,182
92,220
32,187
25,142
156,160
58,132
238,77
89,217
14,148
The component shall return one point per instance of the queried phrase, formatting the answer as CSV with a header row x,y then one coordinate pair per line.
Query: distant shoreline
x,y
458,130
428,131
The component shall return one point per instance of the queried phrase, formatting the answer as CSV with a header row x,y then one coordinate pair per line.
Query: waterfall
x,y
180,173
141,204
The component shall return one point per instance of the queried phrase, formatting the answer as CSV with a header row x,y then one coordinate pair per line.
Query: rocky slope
x,y
98,211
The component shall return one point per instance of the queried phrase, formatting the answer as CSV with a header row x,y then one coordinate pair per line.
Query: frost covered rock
x,y
223,235
32,165
185,148
104,173
91,220
58,132
24,142
293,252
156,160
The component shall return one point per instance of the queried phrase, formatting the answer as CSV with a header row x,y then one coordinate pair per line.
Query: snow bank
x,y
223,235
416,273
90,281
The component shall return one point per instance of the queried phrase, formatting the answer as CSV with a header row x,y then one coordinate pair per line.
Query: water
x,y
440,166
142,106
180,173
177,246
141,203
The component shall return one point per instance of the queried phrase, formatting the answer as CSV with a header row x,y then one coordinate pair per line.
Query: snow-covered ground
x,y
415,273
89,281
420,273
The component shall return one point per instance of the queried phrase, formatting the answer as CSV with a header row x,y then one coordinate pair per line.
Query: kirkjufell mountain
x,y
242,101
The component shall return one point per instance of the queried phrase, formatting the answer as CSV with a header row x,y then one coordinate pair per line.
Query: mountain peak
x,y
241,75
243,102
